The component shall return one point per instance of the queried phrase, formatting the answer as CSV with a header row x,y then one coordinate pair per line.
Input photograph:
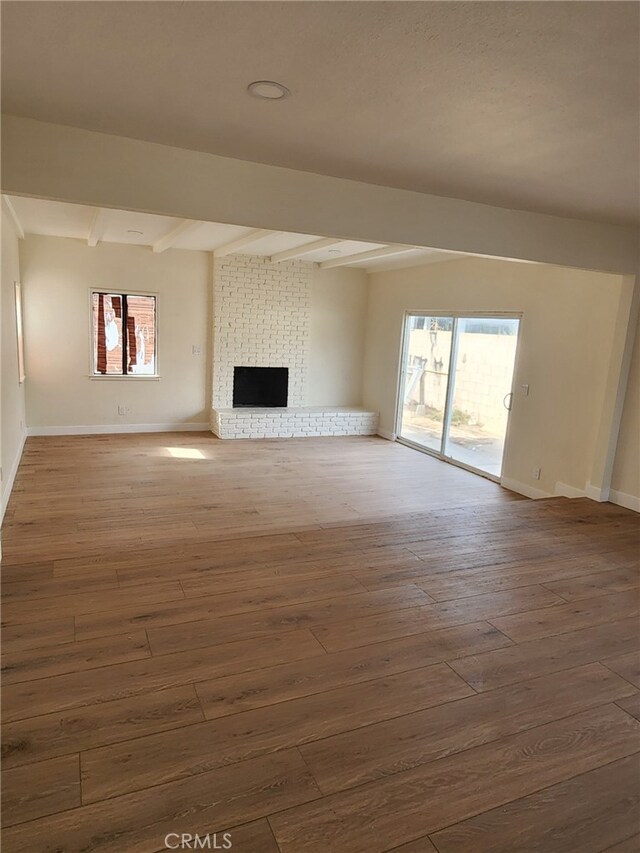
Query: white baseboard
x,y
11,476
108,429
563,490
625,500
524,489
390,436
596,493
600,495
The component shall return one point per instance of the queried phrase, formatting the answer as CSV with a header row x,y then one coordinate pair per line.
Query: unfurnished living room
x,y
320,427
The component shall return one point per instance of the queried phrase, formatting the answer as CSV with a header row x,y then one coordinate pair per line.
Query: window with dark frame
x,y
123,334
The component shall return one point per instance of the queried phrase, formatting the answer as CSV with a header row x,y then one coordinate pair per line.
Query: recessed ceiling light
x,y
133,231
268,89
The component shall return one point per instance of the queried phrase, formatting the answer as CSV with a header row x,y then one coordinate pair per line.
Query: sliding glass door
x,y
426,375
457,374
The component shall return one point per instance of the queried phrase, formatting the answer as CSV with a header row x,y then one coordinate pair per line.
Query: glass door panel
x,y
480,394
427,355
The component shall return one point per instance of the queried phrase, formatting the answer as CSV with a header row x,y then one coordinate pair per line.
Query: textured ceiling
x,y
525,105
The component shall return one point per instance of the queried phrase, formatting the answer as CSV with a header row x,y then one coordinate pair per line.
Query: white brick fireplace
x,y
261,318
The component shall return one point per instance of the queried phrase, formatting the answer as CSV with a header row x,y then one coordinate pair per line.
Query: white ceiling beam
x,y
170,238
13,216
305,249
241,242
371,255
96,228
43,160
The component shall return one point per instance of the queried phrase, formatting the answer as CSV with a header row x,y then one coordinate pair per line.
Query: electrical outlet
x,y
123,410
196,349
525,390
536,473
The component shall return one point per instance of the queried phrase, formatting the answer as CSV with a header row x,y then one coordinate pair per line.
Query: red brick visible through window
x,y
109,336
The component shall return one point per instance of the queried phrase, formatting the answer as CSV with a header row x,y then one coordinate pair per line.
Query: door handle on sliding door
x,y
508,397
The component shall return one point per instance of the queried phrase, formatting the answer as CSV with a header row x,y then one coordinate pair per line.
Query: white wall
x,y
625,483
12,416
336,345
57,275
566,339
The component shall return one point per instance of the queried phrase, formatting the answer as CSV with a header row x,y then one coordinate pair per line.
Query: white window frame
x,y
119,377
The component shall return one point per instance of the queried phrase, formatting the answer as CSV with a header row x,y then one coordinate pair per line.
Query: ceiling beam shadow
x,y
13,216
96,229
241,242
305,249
170,238
371,255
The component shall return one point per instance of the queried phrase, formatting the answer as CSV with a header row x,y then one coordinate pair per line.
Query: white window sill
x,y
137,377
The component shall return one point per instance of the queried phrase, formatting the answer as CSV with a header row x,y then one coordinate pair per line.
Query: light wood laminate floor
x,y
332,645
